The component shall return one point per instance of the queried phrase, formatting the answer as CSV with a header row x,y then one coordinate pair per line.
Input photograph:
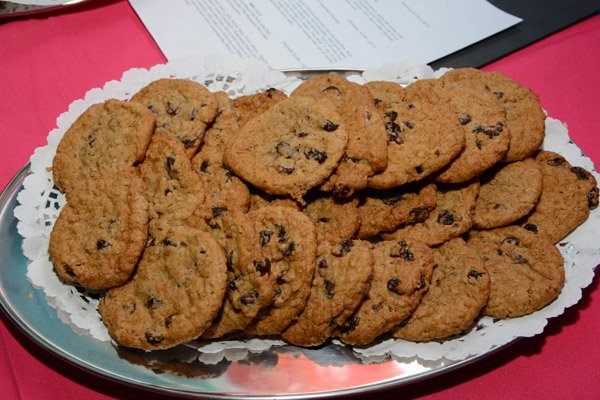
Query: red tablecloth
x,y
47,61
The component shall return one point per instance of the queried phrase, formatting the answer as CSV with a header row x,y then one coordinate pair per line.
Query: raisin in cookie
x,y
176,292
250,283
102,230
183,109
107,137
452,216
460,287
525,118
249,106
483,120
568,195
526,270
293,146
366,153
175,192
386,210
289,241
422,135
401,274
342,276
507,193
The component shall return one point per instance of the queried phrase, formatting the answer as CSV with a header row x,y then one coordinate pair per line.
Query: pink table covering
x,y
47,61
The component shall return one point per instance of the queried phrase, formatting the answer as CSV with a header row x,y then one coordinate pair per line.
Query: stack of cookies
x,y
340,211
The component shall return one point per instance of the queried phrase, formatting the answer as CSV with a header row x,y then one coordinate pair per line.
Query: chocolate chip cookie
x,y
102,230
290,148
176,292
183,109
460,287
107,137
507,193
288,239
568,195
401,275
336,219
526,270
366,153
249,106
342,277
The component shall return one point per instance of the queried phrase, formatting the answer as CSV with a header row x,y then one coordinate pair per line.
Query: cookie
x,y
366,153
452,216
288,239
336,219
222,187
422,136
483,121
568,195
175,192
107,137
401,275
525,118
342,276
249,106
526,270
290,148
507,193
386,210
183,109
176,292
460,287
101,232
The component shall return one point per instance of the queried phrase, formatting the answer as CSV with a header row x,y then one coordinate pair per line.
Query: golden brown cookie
x,y
460,287
249,106
183,109
526,270
176,292
107,137
366,153
99,235
336,219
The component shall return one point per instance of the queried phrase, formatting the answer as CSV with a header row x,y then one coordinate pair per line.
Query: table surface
x,y
49,60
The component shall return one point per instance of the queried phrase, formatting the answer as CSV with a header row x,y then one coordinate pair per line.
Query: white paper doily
x,y
40,204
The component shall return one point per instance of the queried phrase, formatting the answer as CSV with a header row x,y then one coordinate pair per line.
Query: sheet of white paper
x,y
295,34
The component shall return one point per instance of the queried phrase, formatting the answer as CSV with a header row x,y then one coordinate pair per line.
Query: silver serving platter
x,y
285,372
9,9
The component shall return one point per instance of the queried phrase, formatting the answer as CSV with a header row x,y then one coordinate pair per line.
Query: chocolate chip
x,y
350,324
377,307
323,219
392,200
393,284
446,217
418,214
402,250
465,120
153,338
167,242
153,302
329,288
281,233
217,211
286,170
391,115
419,169
168,321
263,267
171,109
556,162
265,237
581,173
499,95
377,102
344,248
479,144
319,156
323,263
330,126
409,124
290,249
187,143
249,297
422,283
170,162
411,106
229,261
231,286
91,142
474,274
593,198
193,114
531,227
280,280
512,240
204,165
301,134
102,244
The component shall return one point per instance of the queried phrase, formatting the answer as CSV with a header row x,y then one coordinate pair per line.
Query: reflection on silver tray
x,y
10,9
